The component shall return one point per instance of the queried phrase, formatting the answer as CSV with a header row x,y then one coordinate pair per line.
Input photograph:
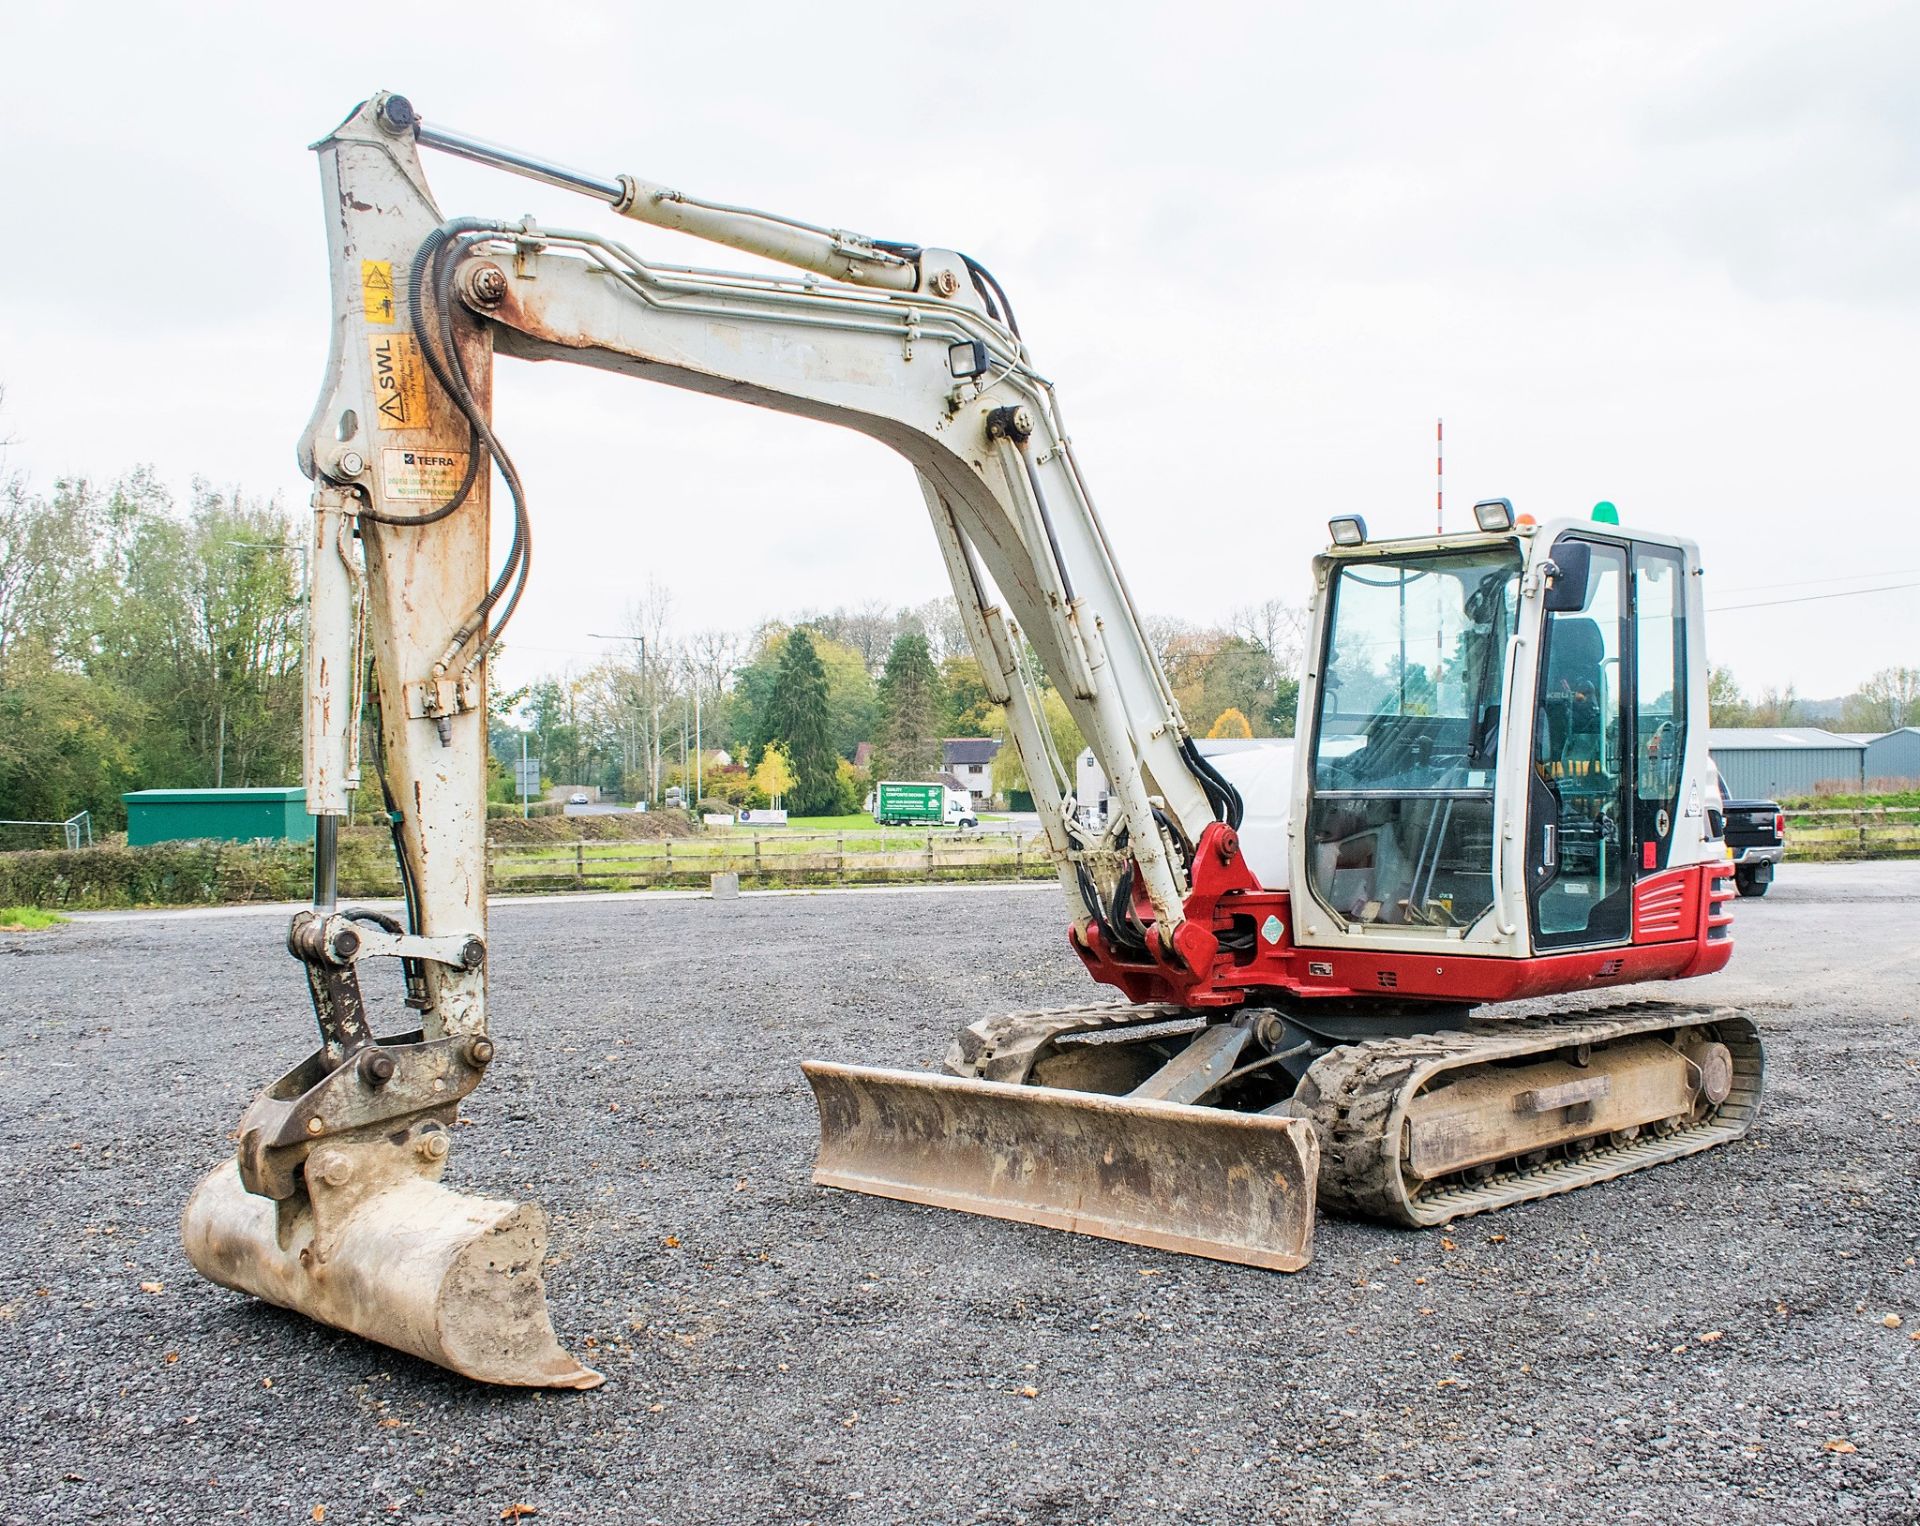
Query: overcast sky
x,y
1666,255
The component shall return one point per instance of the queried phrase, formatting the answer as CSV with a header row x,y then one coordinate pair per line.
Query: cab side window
x,y
1660,686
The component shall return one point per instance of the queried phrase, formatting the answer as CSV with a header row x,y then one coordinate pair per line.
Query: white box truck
x,y
903,804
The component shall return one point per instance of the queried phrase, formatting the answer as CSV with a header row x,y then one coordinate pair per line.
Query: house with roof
x,y
969,760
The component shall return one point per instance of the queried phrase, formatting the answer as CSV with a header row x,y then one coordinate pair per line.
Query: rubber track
x,y
1357,1097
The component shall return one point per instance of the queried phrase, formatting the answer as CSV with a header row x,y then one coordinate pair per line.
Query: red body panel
x,y
1681,921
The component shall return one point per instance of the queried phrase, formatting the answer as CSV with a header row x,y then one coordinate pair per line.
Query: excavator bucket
x,y
451,1278
1198,1180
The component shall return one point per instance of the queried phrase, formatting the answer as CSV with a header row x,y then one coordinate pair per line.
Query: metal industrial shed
x,y
1768,762
1895,755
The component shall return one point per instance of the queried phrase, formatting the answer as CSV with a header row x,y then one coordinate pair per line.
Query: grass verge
x,y
27,919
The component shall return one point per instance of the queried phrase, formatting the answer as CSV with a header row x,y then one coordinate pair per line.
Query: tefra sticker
x,y
376,290
399,381
423,475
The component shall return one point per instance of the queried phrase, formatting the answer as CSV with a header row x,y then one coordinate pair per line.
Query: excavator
x,y
1499,789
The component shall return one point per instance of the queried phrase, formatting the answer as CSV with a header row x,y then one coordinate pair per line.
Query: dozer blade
x,y
451,1278
1197,1180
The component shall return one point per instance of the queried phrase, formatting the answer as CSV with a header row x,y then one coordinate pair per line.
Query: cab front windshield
x,y
1406,735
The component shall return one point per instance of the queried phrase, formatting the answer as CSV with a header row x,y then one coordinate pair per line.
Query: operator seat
x,y
1570,689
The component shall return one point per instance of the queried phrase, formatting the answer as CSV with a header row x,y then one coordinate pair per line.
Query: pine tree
x,y
797,716
911,704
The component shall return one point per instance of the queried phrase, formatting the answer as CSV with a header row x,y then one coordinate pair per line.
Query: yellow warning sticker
x,y
399,381
376,290
425,475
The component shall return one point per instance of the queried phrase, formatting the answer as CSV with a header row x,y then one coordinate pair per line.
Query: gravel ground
x,y
1706,1342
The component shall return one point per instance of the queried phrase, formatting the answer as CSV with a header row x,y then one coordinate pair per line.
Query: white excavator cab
x,y
1504,747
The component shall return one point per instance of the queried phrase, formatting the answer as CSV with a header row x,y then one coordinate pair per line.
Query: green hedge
x,y
535,808
189,874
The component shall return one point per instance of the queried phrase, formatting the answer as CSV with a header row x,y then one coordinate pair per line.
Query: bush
x,y
734,788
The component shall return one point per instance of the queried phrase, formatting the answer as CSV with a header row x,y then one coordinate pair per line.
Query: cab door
x,y
1580,837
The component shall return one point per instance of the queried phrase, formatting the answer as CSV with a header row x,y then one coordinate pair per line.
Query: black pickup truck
x,y
1756,834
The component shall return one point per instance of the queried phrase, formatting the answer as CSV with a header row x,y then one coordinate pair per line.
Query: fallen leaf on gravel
x,y
319,1512
1496,1239
741,1185
1839,1444
173,1356
515,1512
1151,1271
613,1107
1448,1245
1708,1337
672,1242
1892,1321
1448,1383
590,1341
388,1423
1029,1392
1426,1311
654,1409
153,1287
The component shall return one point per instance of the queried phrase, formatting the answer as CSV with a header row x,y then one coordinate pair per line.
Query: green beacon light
x,y
1605,513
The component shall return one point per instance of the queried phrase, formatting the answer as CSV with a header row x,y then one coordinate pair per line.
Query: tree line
x,y
1887,701
146,643
143,643
817,686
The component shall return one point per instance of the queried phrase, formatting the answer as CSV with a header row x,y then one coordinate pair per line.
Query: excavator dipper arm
x,y
333,1203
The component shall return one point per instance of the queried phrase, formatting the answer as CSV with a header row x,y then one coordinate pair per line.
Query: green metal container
x,y
231,815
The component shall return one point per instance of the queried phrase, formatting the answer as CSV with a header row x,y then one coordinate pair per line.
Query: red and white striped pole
x,y
1439,476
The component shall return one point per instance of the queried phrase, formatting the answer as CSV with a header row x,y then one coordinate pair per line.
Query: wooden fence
x,y
1887,831
782,858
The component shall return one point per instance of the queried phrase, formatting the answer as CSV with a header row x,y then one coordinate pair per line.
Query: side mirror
x,y
1567,588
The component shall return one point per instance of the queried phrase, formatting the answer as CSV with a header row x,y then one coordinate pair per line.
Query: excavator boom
x,y
333,1204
